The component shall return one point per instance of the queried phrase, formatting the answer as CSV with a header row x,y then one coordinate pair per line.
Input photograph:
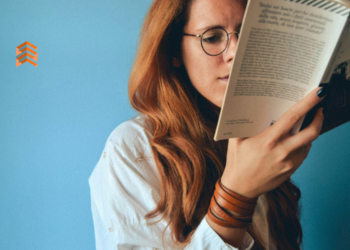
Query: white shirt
x,y
125,186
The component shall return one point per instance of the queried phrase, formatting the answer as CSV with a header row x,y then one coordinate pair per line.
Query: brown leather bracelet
x,y
239,223
238,196
218,221
233,200
227,205
243,206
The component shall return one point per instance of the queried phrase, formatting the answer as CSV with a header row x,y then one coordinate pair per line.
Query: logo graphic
x,y
23,54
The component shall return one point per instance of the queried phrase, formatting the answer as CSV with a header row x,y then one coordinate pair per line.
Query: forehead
x,y
203,13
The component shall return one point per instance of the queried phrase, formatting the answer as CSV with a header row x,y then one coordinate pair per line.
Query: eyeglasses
x,y
214,41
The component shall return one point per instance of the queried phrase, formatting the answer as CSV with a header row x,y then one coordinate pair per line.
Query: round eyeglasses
x,y
214,41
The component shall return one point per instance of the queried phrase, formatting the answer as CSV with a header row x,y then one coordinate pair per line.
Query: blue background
x,y
55,119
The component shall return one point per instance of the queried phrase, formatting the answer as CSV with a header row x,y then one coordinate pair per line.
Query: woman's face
x,y
209,74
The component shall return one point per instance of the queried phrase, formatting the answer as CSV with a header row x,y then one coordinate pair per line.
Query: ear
x,y
176,62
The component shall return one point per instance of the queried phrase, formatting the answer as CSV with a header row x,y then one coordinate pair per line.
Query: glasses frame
x,y
201,36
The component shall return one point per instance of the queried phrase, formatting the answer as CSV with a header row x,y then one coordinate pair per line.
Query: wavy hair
x,y
183,121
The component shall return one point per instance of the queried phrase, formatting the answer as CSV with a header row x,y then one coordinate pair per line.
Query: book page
x,y
341,55
283,50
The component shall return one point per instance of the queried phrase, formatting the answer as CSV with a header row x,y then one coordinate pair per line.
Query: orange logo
x,y
23,55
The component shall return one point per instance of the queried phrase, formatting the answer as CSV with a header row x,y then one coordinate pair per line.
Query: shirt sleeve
x,y
206,238
125,187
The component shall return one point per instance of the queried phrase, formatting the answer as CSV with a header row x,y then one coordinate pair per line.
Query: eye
x,y
214,36
212,39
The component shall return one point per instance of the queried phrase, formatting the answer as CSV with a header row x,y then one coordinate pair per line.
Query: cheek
x,y
204,78
199,67
203,72
192,57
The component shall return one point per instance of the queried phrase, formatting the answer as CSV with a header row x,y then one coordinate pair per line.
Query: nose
x,y
230,51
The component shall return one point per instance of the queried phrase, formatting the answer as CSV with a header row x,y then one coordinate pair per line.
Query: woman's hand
x,y
261,163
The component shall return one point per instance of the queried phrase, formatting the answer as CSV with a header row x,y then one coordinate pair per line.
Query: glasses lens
x,y
214,41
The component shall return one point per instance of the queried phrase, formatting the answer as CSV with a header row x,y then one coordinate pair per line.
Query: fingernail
x,y
321,93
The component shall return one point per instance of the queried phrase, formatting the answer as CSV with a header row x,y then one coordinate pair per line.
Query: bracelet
x,y
218,221
233,200
225,200
234,221
229,206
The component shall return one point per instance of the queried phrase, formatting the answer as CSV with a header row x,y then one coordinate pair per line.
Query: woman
x,y
154,184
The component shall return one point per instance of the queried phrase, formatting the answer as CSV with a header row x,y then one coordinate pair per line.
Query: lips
x,y
225,78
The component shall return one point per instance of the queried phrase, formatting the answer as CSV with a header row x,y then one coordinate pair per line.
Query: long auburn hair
x,y
183,121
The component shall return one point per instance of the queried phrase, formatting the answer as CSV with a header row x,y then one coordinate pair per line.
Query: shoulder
x,y
135,127
130,141
125,186
126,171
132,133
128,149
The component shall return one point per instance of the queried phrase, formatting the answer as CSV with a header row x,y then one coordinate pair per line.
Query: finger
x,y
308,147
298,156
307,135
303,150
294,114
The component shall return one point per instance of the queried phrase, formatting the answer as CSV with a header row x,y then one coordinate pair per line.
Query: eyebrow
x,y
215,26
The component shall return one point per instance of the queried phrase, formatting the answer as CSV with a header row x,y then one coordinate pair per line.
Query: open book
x,y
286,49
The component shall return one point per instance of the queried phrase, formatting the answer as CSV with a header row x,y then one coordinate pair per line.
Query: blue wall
x,y
55,119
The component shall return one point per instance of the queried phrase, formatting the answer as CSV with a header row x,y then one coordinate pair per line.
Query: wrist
x,y
229,209
237,188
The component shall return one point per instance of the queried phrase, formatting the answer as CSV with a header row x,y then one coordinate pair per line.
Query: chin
x,y
218,102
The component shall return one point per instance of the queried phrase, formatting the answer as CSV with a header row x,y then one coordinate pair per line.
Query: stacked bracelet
x,y
225,200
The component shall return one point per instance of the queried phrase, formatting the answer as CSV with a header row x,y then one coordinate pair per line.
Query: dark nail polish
x,y
322,92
